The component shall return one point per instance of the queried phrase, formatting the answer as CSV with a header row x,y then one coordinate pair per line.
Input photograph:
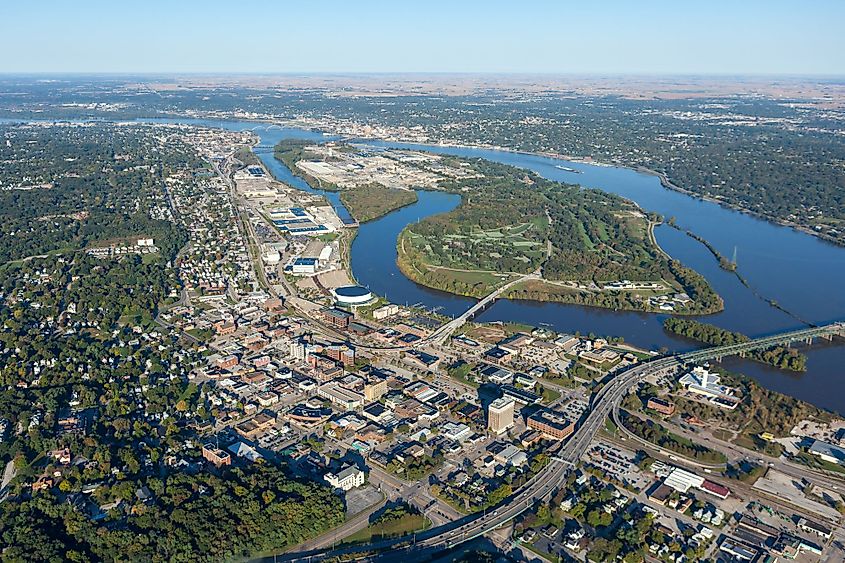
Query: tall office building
x,y
500,415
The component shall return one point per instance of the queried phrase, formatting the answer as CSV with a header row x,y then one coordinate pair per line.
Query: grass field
x,y
486,279
413,261
479,249
404,525
818,463
550,395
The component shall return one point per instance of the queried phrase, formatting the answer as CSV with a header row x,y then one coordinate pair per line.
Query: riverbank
x,y
731,266
478,284
777,262
802,273
669,185
290,152
326,128
364,202
781,357
653,239
371,201
587,244
466,283
664,180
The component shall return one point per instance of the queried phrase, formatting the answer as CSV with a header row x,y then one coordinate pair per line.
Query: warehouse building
x,y
341,396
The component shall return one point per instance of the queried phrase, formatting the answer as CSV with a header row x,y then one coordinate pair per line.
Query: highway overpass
x,y
550,478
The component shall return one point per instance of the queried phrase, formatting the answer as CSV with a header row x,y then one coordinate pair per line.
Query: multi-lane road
x,y
545,482
539,487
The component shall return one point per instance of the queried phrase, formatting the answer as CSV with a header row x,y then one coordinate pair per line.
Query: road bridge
x,y
440,335
551,477
805,335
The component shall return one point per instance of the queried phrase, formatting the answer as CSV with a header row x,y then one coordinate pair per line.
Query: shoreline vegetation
x,y
291,151
485,261
364,203
733,267
372,201
761,410
780,357
501,231
665,181
724,262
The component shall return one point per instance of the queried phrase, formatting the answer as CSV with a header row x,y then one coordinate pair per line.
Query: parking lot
x,y
358,500
618,464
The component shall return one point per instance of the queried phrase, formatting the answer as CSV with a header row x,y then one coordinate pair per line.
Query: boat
x,y
567,169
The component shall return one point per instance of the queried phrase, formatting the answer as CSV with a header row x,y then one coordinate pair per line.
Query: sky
x,y
491,36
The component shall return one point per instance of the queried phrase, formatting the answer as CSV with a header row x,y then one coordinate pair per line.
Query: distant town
x,y
219,358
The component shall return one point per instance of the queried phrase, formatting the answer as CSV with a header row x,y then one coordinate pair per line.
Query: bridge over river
x,y
551,477
440,335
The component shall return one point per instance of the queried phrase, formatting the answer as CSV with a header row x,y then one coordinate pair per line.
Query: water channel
x,y
804,275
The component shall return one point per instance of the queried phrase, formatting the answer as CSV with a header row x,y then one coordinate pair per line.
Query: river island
x,y
545,240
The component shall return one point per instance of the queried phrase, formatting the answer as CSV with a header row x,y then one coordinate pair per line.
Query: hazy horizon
x,y
229,73
653,38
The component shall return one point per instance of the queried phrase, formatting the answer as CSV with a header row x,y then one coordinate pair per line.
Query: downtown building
x,y
500,415
551,424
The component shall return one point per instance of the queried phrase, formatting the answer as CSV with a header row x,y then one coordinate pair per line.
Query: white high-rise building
x,y
500,415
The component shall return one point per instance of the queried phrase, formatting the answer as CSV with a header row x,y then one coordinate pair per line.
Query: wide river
x,y
803,274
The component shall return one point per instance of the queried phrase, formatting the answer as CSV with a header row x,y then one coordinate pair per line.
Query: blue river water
x,y
804,275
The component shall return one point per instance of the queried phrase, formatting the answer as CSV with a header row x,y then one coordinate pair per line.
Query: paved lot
x,y
618,463
789,489
360,499
836,551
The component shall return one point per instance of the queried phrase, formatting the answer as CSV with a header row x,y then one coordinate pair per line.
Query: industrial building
x,y
828,452
297,221
340,395
271,256
682,481
304,266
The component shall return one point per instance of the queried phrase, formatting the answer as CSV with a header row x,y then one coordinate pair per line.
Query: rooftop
x,y
352,291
